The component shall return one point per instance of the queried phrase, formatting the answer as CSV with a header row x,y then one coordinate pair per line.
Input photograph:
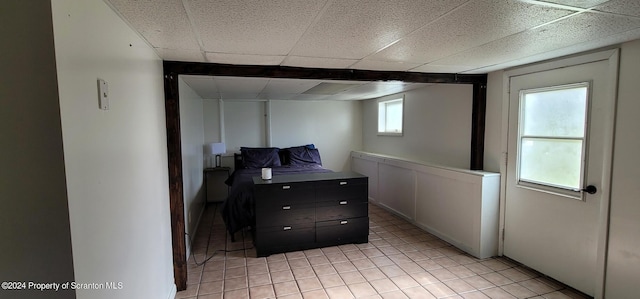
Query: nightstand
x,y
215,188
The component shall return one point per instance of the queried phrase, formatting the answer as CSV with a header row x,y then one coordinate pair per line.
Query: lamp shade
x,y
216,148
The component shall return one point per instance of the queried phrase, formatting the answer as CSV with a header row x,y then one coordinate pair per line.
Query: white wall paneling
x,y
397,190
370,169
460,206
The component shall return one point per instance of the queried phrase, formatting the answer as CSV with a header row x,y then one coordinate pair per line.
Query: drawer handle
x,y
343,183
286,187
286,207
287,228
344,202
343,222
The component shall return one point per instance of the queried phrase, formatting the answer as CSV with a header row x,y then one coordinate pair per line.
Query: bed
x,y
238,210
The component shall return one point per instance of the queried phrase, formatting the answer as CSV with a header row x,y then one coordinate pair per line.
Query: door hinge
x,y
502,234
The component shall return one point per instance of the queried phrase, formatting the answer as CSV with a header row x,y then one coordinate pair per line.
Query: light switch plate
x,y
103,94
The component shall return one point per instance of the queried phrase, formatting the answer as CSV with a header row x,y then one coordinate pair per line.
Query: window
x,y
390,117
552,136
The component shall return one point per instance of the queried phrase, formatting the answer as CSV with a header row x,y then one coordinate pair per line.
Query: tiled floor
x,y
400,261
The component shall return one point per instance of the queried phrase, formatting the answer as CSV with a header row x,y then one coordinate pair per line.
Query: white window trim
x,y
389,100
549,187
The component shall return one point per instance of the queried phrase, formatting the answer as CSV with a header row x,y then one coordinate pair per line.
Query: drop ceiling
x,y
247,88
434,36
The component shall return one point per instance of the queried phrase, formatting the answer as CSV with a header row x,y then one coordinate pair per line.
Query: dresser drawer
x,y
343,182
283,236
347,191
356,229
341,209
283,193
285,214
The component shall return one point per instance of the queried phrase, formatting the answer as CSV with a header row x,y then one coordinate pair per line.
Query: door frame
x,y
612,56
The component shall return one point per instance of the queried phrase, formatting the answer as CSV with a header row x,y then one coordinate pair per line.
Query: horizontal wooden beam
x,y
217,69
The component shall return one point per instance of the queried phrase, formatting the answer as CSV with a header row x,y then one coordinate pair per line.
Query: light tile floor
x,y
400,261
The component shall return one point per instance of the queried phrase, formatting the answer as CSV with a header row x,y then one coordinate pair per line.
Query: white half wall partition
x,y
459,206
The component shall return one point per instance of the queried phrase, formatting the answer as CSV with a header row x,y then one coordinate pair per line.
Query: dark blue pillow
x,y
259,157
302,155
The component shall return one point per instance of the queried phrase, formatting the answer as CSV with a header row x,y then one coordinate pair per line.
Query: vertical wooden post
x,y
176,201
478,118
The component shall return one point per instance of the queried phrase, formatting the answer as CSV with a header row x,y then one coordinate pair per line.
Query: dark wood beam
x,y
176,200
216,69
478,119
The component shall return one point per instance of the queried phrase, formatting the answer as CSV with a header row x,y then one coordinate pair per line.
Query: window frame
x,y
388,101
549,187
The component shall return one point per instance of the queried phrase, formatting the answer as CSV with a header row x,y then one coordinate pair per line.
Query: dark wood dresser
x,y
304,211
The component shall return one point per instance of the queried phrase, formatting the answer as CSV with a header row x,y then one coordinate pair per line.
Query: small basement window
x,y
390,117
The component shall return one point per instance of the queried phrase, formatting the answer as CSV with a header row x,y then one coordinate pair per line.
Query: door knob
x,y
591,189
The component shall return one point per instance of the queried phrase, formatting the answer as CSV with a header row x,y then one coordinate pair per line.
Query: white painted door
x,y
558,143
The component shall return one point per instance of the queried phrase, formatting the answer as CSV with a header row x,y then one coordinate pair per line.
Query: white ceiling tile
x,y
578,29
247,85
318,62
277,96
200,80
370,64
473,24
164,24
576,48
291,86
375,90
243,59
310,97
204,86
331,87
372,87
180,55
252,27
355,29
624,7
577,3
238,96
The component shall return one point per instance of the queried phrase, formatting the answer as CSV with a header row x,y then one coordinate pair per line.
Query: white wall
x,y
335,127
493,123
437,126
34,219
211,121
192,142
244,124
115,160
623,260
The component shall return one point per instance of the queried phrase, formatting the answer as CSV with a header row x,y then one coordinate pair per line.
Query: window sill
x,y
389,134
